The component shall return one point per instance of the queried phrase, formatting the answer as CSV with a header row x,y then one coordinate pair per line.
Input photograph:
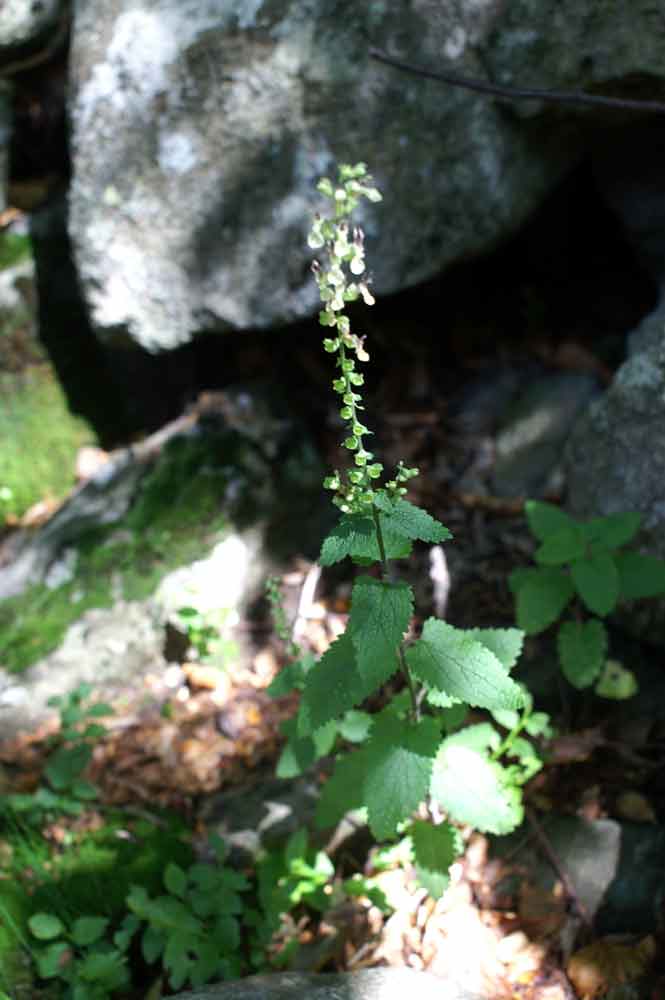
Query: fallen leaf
x,y
607,962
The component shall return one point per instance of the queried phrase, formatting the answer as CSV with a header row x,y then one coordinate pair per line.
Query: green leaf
x,y
616,682
562,547
355,726
639,576
475,790
45,926
104,967
175,880
481,737
290,678
436,847
380,615
53,960
452,661
596,580
87,930
505,643
399,768
542,594
344,790
66,764
613,530
331,687
545,520
355,536
301,752
152,943
582,650
403,518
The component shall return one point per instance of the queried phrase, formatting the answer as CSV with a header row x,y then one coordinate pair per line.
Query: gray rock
x,y
368,984
24,21
635,900
615,457
588,851
112,649
530,445
199,132
263,815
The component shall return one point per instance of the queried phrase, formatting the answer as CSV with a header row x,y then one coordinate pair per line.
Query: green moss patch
x,y
181,512
39,439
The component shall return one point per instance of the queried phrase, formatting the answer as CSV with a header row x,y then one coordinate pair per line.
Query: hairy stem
x,y
415,707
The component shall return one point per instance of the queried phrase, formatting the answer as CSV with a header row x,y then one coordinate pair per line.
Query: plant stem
x,y
415,707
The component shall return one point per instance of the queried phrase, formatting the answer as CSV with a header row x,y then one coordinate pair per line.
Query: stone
x,y
635,900
615,457
24,21
199,133
113,649
530,444
368,984
588,851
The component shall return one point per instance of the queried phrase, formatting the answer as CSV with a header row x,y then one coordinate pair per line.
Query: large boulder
x,y
199,132
23,22
615,457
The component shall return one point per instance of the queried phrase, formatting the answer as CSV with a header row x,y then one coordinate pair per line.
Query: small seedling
x,y
195,926
81,956
583,569
71,751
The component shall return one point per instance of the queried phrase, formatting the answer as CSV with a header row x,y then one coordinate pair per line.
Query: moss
x,y
179,515
14,249
35,422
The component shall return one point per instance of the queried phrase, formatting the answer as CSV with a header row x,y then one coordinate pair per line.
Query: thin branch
x,y
521,93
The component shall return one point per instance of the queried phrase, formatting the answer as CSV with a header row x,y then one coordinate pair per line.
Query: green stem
x,y
508,741
415,707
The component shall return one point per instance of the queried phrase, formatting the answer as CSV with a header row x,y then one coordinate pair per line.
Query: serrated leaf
x,y
561,547
435,847
380,615
596,580
344,790
582,650
542,594
505,643
544,519
481,737
475,790
399,769
355,536
613,530
639,575
301,752
86,930
434,883
452,661
331,687
291,677
175,880
404,518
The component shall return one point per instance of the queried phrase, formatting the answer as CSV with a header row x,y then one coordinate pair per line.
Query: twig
x,y
520,93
